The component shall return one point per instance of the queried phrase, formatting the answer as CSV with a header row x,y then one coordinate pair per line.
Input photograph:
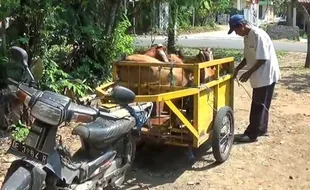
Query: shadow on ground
x,y
296,79
157,165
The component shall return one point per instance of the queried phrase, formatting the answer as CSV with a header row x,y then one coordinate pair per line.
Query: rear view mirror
x,y
123,95
37,69
19,56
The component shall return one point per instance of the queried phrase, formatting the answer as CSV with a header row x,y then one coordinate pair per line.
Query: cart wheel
x,y
223,134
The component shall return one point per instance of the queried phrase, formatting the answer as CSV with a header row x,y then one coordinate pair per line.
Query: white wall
x,y
239,4
267,12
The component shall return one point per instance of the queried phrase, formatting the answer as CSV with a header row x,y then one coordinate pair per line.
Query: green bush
x,y
48,30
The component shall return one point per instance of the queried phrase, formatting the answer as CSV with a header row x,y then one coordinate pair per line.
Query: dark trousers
x,y
259,115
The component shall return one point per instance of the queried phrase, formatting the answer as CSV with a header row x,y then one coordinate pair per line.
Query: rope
x,y
171,77
211,106
239,84
140,116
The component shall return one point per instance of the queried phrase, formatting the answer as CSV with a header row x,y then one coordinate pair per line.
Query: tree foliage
x,y
206,11
77,40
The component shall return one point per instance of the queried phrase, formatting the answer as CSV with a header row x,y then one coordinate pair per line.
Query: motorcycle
x,y
107,138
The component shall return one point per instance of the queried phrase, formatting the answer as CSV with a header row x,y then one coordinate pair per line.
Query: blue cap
x,y
234,21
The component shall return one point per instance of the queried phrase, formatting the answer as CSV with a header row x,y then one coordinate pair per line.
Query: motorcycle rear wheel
x,y
131,145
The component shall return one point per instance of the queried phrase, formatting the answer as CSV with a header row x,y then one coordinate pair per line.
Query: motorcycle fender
x,y
55,165
38,175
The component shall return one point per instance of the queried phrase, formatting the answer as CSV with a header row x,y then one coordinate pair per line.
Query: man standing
x,y
263,71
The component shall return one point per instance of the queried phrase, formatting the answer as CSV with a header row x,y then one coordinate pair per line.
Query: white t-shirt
x,y
258,45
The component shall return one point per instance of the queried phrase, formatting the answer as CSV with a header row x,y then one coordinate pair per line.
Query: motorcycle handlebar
x,y
75,112
80,113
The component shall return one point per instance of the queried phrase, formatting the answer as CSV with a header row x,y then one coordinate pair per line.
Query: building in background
x,y
256,11
266,10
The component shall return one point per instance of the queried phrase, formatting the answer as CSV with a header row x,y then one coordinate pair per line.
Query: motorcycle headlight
x,y
46,113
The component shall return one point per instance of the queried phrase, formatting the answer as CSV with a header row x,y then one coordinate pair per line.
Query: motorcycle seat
x,y
104,129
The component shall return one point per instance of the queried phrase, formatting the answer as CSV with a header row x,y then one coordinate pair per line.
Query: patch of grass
x,y
140,48
237,54
189,30
302,34
218,53
281,54
264,26
198,29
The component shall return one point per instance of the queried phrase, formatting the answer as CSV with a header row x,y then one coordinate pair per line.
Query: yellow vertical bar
x,y
232,86
128,74
159,88
196,72
139,85
218,67
114,70
217,87
148,81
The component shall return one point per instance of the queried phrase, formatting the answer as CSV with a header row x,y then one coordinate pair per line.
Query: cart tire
x,y
220,119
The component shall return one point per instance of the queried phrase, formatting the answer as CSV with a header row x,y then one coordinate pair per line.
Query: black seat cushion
x,y
104,129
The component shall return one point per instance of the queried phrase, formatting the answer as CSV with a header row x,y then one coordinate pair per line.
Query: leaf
x,y
37,69
70,86
206,5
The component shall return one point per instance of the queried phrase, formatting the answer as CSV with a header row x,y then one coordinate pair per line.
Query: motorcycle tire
x,y
132,152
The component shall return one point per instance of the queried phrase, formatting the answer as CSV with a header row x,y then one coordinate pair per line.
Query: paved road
x,y
220,42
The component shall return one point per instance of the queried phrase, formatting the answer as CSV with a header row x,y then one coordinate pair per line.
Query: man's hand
x,y
239,67
245,76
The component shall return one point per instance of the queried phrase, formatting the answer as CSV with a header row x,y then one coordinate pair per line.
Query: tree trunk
x,y
307,17
3,37
307,64
113,13
154,17
173,14
290,13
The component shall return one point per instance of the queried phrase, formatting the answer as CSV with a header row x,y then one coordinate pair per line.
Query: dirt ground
x,y
280,161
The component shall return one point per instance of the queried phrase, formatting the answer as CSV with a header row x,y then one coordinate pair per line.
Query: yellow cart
x,y
209,118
